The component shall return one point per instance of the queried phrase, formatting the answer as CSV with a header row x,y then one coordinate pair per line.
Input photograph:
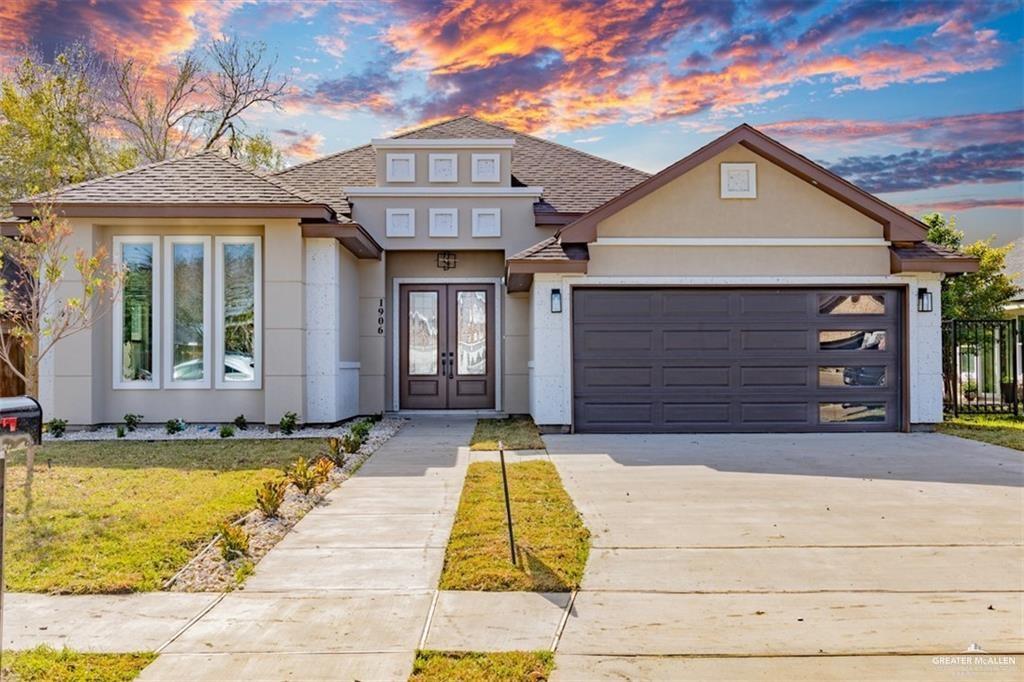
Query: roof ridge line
x,y
266,177
321,158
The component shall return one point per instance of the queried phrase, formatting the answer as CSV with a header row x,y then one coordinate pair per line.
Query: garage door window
x,y
851,304
859,377
847,413
852,340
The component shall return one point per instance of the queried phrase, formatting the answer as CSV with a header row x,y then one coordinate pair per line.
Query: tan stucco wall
x,y
753,261
517,222
786,206
514,315
372,370
82,366
465,170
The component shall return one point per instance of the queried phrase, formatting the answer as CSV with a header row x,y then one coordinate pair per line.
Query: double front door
x,y
446,346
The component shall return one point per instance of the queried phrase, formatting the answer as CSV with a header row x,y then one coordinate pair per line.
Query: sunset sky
x,y
921,102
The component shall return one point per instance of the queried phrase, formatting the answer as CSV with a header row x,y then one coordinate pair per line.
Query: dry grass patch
x,y
125,516
52,665
551,539
504,666
517,433
1005,430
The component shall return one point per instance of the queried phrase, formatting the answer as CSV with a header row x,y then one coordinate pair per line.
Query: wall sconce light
x,y
446,260
556,300
924,300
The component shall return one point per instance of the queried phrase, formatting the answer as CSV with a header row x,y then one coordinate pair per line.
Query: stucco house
x,y
465,266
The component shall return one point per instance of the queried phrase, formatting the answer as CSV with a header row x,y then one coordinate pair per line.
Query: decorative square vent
x,y
400,222
444,168
739,180
401,167
444,222
486,167
486,222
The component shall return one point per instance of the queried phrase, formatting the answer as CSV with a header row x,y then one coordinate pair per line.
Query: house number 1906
x,y
380,316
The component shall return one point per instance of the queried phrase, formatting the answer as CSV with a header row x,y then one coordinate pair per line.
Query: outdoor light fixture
x,y
446,260
924,300
556,300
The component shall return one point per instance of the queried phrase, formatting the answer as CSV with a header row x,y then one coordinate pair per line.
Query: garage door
x,y
744,360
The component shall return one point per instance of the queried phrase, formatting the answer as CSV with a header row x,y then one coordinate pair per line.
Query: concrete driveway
x,y
847,556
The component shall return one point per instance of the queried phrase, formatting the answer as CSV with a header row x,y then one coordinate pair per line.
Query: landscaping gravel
x,y
208,571
198,432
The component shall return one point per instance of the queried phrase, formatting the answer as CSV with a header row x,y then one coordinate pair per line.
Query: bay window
x,y
210,331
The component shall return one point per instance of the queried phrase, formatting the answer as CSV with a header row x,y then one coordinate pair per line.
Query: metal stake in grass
x,y
508,504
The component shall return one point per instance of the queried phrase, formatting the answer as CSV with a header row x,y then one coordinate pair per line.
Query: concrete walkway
x,y
347,593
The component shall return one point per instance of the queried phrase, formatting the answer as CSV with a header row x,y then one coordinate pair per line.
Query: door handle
x,y
451,364
444,363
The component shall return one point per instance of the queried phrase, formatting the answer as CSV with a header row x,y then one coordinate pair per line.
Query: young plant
x,y
121,431
322,470
335,452
241,423
174,426
351,443
270,495
289,422
132,421
374,418
234,542
361,429
227,431
56,427
302,476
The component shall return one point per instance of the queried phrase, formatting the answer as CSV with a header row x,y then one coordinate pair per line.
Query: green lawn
x,y
505,666
1005,430
551,539
52,665
125,516
517,433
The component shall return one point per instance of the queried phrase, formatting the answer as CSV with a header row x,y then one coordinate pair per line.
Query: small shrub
x,y
322,469
242,573
56,427
132,421
302,476
227,431
174,426
361,429
241,423
374,418
121,431
270,495
289,422
335,452
351,442
234,542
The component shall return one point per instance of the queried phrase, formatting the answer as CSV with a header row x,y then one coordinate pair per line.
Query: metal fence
x,y
981,367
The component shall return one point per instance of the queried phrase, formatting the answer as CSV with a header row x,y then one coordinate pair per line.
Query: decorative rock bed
x,y
202,432
208,571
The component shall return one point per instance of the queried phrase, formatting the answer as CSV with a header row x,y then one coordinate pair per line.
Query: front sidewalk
x,y
347,593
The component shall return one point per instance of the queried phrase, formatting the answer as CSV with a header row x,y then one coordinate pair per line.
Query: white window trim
x,y
454,158
434,212
219,381
412,167
750,193
477,212
168,308
389,232
119,383
477,177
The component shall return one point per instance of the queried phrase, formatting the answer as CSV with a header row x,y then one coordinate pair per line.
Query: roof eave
x,y
182,210
946,265
351,235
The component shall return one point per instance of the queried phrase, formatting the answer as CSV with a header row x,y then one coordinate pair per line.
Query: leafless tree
x,y
201,104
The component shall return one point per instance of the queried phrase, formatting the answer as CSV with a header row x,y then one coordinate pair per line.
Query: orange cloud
x,y
300,145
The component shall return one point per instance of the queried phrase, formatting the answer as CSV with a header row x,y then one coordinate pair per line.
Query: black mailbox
x,y
21,421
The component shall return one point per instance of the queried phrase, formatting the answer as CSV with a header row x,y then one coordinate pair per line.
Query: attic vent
x,y
739,180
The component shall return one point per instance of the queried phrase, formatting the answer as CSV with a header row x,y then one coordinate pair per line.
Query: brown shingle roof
x,y
928,257
573,181
206,178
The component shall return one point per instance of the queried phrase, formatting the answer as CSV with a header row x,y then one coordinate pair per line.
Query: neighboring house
x,y
465,266
1015,308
